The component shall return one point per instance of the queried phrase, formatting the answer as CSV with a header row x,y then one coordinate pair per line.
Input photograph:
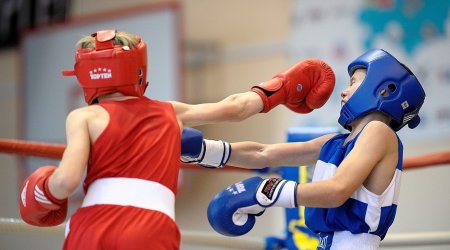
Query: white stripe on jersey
x,y
387,198
323,171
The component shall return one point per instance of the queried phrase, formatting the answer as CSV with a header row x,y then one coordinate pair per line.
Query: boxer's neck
x,y
116,96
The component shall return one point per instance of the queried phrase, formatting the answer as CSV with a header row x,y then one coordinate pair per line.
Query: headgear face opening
x,y
109,68
389,87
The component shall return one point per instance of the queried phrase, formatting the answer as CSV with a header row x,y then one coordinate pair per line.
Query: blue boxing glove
x,y
191,144
207,153
232,211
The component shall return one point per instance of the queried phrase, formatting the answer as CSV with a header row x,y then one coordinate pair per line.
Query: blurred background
x,y
202,51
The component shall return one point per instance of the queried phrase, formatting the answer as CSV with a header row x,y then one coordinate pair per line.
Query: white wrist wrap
x,y
287,195
217,153
277,192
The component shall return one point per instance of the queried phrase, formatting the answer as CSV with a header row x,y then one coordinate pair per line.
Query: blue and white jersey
x,y
364,213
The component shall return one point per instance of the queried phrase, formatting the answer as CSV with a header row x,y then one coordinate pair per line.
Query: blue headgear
x,y
389,87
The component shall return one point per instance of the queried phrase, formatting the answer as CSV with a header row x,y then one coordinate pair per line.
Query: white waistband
x,y
131,192
345,240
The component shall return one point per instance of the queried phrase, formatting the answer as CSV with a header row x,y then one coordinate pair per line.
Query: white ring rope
x,y
213,239
13,225
417,239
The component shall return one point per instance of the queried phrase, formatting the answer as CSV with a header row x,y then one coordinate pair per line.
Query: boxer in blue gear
x,y
353,197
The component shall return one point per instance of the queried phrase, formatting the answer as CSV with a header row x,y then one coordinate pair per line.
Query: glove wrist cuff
x,y
287,197
217,153
271,92
55,201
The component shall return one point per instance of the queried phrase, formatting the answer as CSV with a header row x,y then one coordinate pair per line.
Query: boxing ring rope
x,y
12,225
55,151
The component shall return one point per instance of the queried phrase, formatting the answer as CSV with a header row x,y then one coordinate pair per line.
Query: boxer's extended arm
x,y
303,87
236,107
251,155
69,174
257,155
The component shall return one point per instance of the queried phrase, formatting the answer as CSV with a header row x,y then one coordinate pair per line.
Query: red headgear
x,y
109,68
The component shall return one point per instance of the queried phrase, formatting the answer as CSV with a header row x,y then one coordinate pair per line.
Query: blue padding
x,y
274,243
301,134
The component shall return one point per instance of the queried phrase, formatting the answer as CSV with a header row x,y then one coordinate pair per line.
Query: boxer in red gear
x,y
129,146
147,148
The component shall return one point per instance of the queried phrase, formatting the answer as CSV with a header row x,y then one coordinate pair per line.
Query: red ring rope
x,y
55,151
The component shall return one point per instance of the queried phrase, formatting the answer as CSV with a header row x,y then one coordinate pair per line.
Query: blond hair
x,y
122,38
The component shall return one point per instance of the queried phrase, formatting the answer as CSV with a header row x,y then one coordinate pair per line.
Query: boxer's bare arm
x,y
257,155
236,107
68,176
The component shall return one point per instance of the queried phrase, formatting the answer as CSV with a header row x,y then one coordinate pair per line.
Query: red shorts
x,y
121,227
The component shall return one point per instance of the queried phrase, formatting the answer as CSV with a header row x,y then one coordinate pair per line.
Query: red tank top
x,y
142,140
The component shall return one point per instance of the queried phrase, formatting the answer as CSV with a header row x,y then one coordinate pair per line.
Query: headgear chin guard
x,y
389,87
109,68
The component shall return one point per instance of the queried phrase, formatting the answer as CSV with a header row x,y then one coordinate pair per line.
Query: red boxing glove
x,y
303,87
38,206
